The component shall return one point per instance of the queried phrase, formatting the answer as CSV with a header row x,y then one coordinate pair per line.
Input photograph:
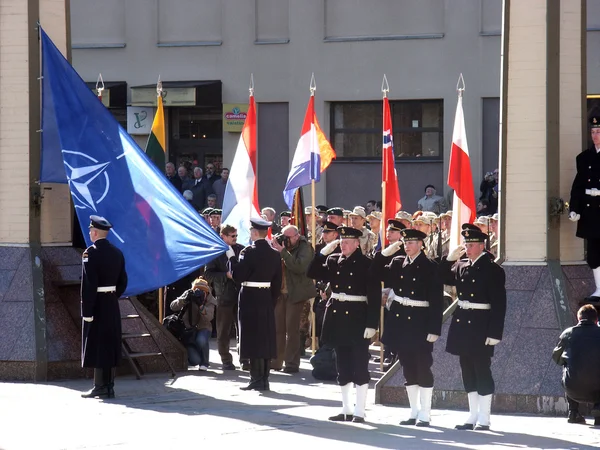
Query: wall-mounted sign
x,y
139,119
234,116
171,96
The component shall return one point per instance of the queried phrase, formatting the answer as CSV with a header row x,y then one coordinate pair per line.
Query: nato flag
x,y
161,236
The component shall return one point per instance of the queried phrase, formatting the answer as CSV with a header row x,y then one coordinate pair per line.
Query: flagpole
x,y
161,290
313,220
384,89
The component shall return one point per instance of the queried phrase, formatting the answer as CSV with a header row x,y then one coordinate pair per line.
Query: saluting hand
x,y
88,319
455,253
492,341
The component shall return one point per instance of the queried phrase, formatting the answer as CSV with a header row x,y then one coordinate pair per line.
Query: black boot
x,y
256,376
111,382
266,372
574,416
100,389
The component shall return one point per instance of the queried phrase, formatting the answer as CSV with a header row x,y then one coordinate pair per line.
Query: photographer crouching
x,y
296,290
200,310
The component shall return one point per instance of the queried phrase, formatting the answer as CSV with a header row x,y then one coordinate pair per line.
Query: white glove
x,y
432,337
369,333
329,248
88,319
391,249
455,253
594,192
574,217
491,341
230,253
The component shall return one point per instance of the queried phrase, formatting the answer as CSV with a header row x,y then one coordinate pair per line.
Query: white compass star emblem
x,y
80,178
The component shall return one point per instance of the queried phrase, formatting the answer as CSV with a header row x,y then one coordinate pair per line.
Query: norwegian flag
x,y
389,177
460,178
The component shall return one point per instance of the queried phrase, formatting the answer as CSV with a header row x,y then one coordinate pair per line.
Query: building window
x,y
356,129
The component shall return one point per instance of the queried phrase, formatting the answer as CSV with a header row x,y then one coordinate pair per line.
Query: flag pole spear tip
x,y
460,85
100,83
313,84
251,88
385,87
159,87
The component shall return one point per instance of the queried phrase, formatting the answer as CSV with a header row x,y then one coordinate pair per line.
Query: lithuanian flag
x,y
155,148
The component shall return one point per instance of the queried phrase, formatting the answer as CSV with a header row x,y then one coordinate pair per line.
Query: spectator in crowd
x,y
285,218
270,215
211,201
200,188
488,187
483,208
371,206
183,176
211,176
201,310
297,289
432,202
220,185
189,196
578,351
218,274
172,176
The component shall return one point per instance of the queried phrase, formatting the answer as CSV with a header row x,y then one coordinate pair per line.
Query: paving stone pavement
x,y
202,409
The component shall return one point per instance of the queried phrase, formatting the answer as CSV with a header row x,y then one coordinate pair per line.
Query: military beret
x,y
100,223
335,212
349,233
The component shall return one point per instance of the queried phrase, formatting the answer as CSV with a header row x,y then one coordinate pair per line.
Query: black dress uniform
x,y
414,322
478,317
352,308
585,201
103,281
259,273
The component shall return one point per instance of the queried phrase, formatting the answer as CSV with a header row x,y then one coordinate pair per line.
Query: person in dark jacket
x,y
351,317
258,271
218,274
578,351
297,290
103,281
478,321
414,320
173,177
584,205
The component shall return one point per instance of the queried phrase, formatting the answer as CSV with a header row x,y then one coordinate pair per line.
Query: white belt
x,y
348,298
409,302
107,289
464,304
257,284
593,192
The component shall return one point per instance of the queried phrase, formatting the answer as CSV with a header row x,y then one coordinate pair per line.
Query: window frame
x,y
413,159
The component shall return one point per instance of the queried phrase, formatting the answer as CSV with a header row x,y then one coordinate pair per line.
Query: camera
x,y
281,239
321,286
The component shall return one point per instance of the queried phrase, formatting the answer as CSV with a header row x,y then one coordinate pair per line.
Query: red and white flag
x,y
389,177
240,202
460,178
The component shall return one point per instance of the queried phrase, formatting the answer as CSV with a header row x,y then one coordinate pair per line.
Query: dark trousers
x,y
104,377
573,405
353,363
593,253
226,318
477,374
259,371
416,366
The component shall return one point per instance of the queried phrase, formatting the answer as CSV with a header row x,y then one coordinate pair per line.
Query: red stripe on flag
x,y
460,178
389,177
249,137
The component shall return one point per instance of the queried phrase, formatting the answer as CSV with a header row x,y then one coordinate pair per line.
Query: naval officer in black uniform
x,y
103,281
584,204
351,316
414,320
478,321
258,271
